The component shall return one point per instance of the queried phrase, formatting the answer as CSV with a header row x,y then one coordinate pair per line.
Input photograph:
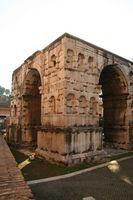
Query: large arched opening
x,y
114,93
32,106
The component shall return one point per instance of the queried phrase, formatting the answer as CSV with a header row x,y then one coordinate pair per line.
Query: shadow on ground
x,y
40,168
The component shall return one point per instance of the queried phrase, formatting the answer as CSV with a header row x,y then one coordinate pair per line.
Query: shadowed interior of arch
x,y
32,104
114,96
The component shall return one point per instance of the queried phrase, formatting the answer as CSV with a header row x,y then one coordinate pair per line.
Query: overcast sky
x,y
30,25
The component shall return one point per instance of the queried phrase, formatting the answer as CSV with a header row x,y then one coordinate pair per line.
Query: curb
x,y
55,178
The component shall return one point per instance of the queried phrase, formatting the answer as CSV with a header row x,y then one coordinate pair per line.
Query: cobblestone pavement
x,y
12,184
114,182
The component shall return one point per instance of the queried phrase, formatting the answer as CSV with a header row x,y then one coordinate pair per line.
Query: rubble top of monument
x,y
67,35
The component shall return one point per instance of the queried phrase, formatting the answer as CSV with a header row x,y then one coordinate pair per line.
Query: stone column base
x,y
72,159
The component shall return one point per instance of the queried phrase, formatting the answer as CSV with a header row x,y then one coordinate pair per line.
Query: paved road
x,y
113,183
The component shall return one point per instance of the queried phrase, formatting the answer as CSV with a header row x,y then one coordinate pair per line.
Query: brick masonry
x,y
12,184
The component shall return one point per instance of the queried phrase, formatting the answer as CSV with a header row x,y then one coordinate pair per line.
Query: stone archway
x,y
31,106
69,74
114,94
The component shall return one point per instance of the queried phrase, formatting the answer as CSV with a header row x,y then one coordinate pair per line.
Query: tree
x,y
7,92
2,90
4,96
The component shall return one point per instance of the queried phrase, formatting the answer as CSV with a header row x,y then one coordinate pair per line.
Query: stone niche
x,y
56,104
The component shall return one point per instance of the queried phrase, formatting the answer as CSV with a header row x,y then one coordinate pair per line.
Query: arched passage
x,y
32,105
114,94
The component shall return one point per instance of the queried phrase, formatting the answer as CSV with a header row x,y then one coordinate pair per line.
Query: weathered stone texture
x,y
55,100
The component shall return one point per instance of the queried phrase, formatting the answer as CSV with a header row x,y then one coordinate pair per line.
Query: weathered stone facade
x,y
55,101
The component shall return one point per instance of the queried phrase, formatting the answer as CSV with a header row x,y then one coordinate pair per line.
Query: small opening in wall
x,y
90,59
15,110
53,59
80,59
70,57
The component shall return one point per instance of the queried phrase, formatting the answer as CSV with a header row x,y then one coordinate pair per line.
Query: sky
x,y
29,25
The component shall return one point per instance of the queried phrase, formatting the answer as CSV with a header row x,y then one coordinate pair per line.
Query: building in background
x,y
4,117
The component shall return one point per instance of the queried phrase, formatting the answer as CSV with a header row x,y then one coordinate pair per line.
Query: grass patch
x,y
40,168
122,155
